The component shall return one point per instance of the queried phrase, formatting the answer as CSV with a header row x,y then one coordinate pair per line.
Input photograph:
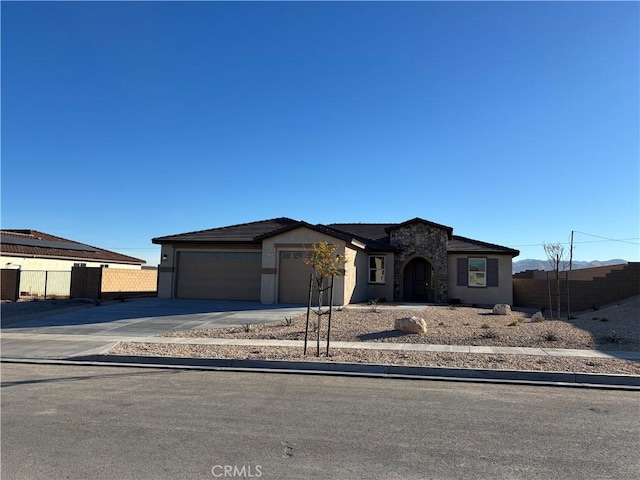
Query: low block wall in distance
x,y
614,285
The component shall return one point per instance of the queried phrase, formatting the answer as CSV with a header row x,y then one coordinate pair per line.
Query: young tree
x,y
557,260
326,264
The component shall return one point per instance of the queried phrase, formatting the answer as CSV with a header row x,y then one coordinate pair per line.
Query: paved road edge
x,y
570,379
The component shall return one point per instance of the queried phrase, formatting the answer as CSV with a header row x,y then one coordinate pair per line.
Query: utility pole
x,y
568,283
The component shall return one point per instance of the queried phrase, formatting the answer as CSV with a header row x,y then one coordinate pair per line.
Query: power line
x,y
623,240
568,243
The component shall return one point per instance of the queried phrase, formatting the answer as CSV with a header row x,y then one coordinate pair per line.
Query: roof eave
x,y
513,253
133,261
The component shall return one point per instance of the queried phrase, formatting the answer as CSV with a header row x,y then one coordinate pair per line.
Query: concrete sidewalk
x,y
93,350
103,343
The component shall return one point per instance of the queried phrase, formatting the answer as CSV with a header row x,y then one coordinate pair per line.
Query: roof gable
x,y
252,232
449,230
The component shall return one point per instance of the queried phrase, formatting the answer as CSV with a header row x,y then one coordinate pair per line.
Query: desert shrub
x,y
373,303
613,337
490,334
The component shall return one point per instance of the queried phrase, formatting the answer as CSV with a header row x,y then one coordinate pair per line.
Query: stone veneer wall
x,y
428,242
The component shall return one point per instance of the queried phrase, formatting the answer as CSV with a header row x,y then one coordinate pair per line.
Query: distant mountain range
x,y
531,264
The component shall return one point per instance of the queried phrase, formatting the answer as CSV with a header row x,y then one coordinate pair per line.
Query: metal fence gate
x,y
45,283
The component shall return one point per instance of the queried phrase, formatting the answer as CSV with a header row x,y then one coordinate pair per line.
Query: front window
x,y
477,272
376,269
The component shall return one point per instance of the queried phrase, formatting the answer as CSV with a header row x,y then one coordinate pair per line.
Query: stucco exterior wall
x,y
52,264
503,293
300,239
166,271
353,289
365,291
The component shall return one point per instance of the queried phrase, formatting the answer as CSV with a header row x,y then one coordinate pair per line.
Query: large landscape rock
x,y
501,309
537,317
410,325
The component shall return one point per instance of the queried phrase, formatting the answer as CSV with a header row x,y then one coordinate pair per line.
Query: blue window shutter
x,y
463,272
492,272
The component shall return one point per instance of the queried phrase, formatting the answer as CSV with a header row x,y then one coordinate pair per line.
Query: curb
x,y
564,379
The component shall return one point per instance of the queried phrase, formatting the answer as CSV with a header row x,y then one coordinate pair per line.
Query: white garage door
x,y
219,275
293,278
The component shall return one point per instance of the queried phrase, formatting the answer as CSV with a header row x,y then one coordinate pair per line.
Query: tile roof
x,y
32,243
460,244
374,236
243,233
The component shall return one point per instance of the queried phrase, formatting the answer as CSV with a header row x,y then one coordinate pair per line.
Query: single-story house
x,y
413,261
33,250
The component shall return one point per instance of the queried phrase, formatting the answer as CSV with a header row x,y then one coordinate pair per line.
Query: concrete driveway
x,y
95,329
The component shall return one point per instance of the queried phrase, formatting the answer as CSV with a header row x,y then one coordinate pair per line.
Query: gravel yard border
x,y
384,357
616,327
445,326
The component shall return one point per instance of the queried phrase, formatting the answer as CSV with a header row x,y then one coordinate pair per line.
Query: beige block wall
x,y
52,264
127,280
503,293
301,239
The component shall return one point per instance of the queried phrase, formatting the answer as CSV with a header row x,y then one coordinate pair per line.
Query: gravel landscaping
x,y
614,328
457,360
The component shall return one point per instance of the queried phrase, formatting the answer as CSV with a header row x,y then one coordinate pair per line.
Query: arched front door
x,y
417,281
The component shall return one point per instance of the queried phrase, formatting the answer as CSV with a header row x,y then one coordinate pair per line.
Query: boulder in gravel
x,y
537,317
501,309
410,325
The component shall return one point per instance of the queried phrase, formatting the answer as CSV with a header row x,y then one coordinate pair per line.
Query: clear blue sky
x,y
513,123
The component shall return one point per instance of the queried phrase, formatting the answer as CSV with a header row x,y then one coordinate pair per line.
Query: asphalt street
x,y
78,422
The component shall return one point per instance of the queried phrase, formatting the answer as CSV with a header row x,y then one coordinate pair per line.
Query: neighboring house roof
x,y
31,243
460,244
370,236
